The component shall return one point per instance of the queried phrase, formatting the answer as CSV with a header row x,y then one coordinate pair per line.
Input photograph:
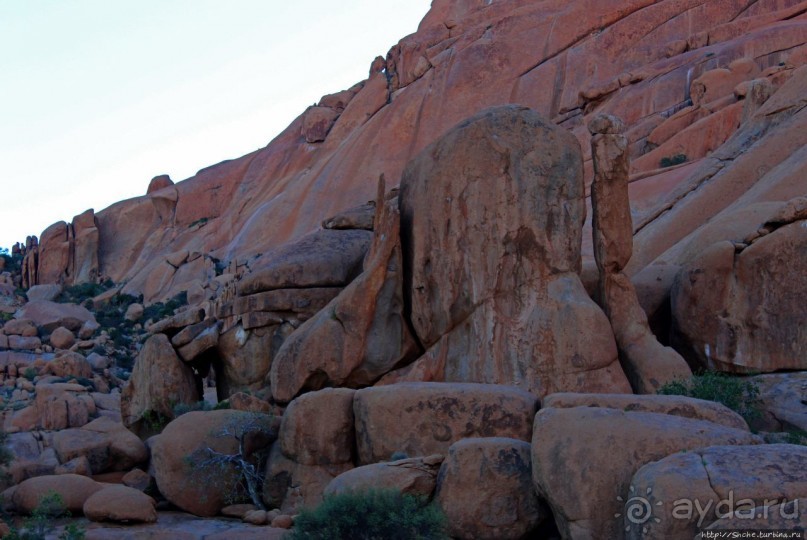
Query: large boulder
x,y
291,486
325,258
125,448
363,333
120,504
689,491
698,409
69,364
492,216
485,489
63,405
49,315
159,381
181,453
317,428
787,516
412,476
420,419
583,459
733,306
782,400
72,488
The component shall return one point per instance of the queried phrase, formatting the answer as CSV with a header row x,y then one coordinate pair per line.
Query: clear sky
x,y
99,96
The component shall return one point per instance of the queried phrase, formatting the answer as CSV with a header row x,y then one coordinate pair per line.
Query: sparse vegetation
x,y
82,292
739,395
183,408
369,515
249,465
40,525
671,161
161,310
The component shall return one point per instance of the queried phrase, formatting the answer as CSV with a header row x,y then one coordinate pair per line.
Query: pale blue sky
x,y
99,96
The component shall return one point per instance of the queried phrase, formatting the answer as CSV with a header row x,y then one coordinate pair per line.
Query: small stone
x,y
283,521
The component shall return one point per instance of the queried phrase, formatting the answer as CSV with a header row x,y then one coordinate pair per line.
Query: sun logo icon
x,y
638,509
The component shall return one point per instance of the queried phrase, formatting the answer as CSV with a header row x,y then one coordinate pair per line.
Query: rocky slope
x,y
569,202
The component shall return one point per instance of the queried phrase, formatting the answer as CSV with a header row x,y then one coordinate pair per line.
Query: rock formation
x,y
647,363
492,222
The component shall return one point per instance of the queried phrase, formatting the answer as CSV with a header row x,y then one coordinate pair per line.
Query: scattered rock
x,y
49,315
62,338
134,312
137,479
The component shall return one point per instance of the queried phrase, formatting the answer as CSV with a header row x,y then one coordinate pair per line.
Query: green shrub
x,y
81,292
40,525
371,515
737,394
677,159
161,310
29,373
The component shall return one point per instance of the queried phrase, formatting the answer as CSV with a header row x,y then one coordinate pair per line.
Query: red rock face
x,y
715,84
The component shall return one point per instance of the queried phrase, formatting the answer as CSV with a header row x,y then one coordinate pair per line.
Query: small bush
x,y
80,293
29,373
161,310
671,161
40,525
371,515
737,394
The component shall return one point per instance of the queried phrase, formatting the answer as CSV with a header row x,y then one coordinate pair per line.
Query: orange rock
x,y
121,504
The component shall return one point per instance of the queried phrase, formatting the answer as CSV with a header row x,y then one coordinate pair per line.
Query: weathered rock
x,y
317,428
413,476
50,315
492,218
72,488
125,449
317,123
63,405
175,322
159,381
21,343
134,312
722,479
255,517
248,403
99,362
363,333
20,327
648,364
782,399
180,451
326,258
728,318
72,443
246,357
204,341
687,407
159,182
485,489
47,292
359,217
137,479
62,338
290,486
120,504
69,364
420,419
597,451
79,465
